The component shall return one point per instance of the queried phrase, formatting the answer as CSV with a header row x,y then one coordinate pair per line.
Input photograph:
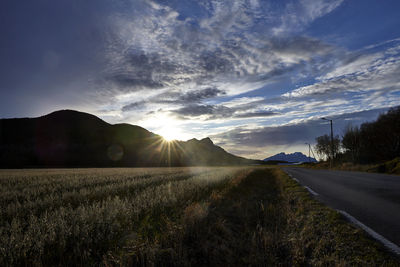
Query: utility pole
x,y
332,152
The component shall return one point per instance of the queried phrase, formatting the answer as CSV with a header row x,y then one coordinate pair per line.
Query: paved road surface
x,y
373,199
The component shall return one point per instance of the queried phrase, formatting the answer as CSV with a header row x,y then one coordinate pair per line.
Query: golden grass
x,y
262,219
238,216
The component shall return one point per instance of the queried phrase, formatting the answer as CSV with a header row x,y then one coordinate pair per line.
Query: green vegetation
x,y
172,216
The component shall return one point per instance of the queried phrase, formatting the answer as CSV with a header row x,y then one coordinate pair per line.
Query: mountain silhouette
x,y
293,157
68,138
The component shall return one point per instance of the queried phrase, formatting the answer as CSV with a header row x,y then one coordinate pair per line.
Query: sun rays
x,y
168,133
167,152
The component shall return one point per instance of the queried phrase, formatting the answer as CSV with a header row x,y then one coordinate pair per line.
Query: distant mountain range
x,y
70,138
292,158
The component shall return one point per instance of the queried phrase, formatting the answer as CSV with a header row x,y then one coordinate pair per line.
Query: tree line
x,y
370,142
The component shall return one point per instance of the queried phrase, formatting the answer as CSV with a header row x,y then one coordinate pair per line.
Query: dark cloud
x,y
133,106
177,98
299,45
198,95
190,97
216,62
138,80
153,62
233,59
138,70
294,133
212,112
256,114
194,53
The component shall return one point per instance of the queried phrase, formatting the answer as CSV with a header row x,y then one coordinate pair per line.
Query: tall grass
x,y
262,218
77,216
236,216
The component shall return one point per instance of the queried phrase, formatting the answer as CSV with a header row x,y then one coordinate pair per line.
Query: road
x,y
373,199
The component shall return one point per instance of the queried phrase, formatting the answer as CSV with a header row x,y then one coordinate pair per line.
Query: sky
x,y
255,76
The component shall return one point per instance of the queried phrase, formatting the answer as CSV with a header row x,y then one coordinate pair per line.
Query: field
x,y
172,216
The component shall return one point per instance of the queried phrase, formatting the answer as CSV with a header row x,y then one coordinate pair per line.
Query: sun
x,y
169,128
168,133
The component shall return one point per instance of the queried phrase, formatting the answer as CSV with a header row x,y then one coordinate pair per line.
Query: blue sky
x,y
256,76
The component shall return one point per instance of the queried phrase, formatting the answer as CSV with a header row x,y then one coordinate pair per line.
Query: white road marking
x,y
390,245
311,191
291,176
306,187
387,243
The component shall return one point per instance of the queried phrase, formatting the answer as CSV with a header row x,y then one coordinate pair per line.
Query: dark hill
x,y
292,158
69,138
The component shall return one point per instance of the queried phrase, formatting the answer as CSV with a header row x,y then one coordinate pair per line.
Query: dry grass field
x,y
172,216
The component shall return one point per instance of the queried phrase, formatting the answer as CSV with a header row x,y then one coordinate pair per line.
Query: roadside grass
x,y
321,236
390,167
387,167
260,219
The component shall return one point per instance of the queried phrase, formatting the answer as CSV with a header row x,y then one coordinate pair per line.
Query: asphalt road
x,y
373,199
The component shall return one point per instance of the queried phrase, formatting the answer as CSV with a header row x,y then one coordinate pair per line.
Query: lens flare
x,y
115,152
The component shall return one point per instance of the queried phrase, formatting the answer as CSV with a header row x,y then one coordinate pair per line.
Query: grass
x,y
320,236
76,217
388,167
173,216
262,219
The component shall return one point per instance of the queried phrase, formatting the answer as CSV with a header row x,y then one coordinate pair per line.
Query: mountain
x,y
68,138
294,157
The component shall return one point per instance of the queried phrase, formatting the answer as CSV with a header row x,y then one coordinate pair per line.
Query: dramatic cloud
x,y
248,72
359,72
199,110
162,49
269,140
176,98
211,112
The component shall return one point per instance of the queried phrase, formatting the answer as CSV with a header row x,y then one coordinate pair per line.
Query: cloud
x,y
133,106
298,14
195,96
203,65
358,72
297,48
208,111
271,139
260,114
220,48
136,81
214,112
222,68
137,70
225,71
176,98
